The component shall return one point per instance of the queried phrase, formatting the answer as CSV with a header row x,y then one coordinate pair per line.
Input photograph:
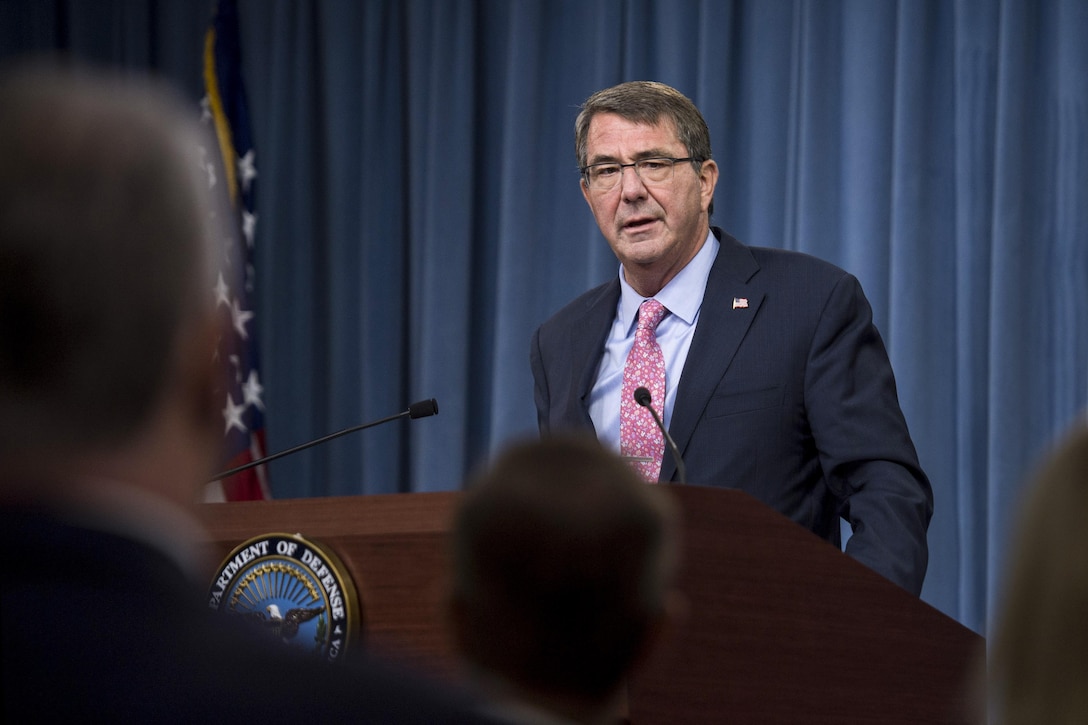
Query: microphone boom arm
x,y
421,409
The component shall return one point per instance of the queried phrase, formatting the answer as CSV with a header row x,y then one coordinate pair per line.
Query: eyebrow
x,y
648,154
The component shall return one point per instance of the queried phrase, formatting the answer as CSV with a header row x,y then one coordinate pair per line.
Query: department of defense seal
x,y
294,588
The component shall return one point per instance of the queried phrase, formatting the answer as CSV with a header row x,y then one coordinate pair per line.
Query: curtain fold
x,y
420,211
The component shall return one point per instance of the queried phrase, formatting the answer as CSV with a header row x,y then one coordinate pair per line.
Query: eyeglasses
x,y
605,175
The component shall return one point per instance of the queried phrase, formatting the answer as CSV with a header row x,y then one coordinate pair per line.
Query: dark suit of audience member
x,y
563,568
109,429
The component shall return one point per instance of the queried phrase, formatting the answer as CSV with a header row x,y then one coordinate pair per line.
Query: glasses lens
x,y
655,170
604,176
651,171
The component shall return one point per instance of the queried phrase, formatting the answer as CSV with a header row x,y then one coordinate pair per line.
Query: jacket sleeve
x,y
864,446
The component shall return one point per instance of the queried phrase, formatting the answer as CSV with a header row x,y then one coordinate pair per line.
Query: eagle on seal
x,y
286,625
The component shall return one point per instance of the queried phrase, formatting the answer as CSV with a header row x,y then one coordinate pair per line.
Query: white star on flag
x,y
239,318
247,171
252,390
232,416
249,225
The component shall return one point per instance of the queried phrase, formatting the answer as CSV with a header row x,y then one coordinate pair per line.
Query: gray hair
x,y
104,252
646,102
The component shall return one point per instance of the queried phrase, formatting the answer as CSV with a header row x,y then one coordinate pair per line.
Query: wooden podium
x,y
781,626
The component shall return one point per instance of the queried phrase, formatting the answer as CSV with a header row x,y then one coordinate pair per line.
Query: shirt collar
x,y
682,296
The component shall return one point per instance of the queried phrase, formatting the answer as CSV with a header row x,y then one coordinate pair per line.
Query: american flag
x,y
225,110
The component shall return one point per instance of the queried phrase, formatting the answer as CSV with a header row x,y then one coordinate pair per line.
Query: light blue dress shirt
x,y
683,298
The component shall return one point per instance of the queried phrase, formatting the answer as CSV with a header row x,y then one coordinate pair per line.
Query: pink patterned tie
x,y
645,367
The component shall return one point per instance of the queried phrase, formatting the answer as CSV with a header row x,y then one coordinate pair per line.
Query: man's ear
x,y
708,179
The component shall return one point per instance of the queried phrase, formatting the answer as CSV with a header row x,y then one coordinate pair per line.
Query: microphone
x,y
643,398
420,409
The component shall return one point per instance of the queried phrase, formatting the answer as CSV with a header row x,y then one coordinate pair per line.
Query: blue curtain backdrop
x,y
420,214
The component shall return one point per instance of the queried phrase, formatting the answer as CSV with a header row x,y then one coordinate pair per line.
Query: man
x,y
774,381
109,428
563,568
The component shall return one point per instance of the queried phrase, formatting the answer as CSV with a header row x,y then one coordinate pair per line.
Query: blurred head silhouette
x,y
106,323
1040,645
564,562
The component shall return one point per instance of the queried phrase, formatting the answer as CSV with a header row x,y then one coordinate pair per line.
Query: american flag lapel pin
x,y
740,303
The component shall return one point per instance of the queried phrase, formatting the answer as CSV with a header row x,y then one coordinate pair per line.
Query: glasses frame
x,y
635,165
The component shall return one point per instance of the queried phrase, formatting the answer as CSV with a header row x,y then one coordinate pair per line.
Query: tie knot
x,y
650,313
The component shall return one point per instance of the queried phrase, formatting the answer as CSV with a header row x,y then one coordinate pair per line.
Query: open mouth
x,y
636,225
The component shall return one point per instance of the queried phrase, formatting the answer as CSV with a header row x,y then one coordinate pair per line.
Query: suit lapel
x,y
587,339
730,303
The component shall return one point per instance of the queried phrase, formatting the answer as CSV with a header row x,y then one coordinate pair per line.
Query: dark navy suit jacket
x,y
787,393
97,628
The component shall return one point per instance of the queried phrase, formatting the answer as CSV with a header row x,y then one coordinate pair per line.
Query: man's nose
x,y
631,186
